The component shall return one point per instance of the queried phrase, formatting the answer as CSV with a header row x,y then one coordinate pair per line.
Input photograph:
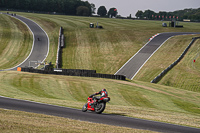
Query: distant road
x,y
136,62
117,120
40,46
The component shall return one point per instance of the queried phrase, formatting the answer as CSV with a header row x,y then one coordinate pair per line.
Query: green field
x,y
174,100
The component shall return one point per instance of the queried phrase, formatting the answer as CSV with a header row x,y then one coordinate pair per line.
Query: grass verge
x,y
143,100
17,121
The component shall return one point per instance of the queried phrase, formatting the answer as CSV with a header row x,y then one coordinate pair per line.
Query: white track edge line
x,y
135,54
33,43
154,52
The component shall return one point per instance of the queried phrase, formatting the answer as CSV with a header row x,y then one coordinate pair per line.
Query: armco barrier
x,y
74,72
62,43
162,74
59,49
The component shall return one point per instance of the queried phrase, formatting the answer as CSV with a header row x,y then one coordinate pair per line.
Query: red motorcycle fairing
x,y
96,104
89,104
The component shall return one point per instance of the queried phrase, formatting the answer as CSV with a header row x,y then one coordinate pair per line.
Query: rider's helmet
x,y
103,89
104,93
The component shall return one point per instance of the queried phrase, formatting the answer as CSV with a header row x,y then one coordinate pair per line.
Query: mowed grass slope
x,y
186,75
104,50
133,99
108,49
15,42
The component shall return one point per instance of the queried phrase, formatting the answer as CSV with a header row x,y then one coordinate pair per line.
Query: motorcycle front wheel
x,y
84,109
100,108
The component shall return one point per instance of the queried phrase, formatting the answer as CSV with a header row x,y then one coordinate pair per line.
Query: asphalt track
x,y
136,62
40,46
109,119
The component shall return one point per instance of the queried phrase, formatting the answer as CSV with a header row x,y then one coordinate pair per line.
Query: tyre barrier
x,y
163,73
72,72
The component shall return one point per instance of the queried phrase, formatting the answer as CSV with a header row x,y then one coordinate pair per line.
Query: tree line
x,y
84,8
102,11
191,14
68,7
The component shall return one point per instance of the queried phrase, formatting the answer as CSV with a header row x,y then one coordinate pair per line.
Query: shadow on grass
x,y
121,114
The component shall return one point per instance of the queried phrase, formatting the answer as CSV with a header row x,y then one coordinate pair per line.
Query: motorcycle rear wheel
x,y
84,109
100,108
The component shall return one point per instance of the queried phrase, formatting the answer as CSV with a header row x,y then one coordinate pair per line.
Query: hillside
x,y
106,50
185,75
143,100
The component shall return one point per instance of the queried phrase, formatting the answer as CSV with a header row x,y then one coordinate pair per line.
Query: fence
x,y
163,73
61,44
73,72
70,72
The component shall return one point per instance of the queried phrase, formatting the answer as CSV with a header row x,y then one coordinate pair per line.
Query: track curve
x,y
40,48
136,62
14,104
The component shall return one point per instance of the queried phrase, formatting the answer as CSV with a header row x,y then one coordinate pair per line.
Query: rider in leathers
x,y
103,93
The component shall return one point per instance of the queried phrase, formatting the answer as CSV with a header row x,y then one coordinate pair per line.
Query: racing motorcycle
x,y
96,104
